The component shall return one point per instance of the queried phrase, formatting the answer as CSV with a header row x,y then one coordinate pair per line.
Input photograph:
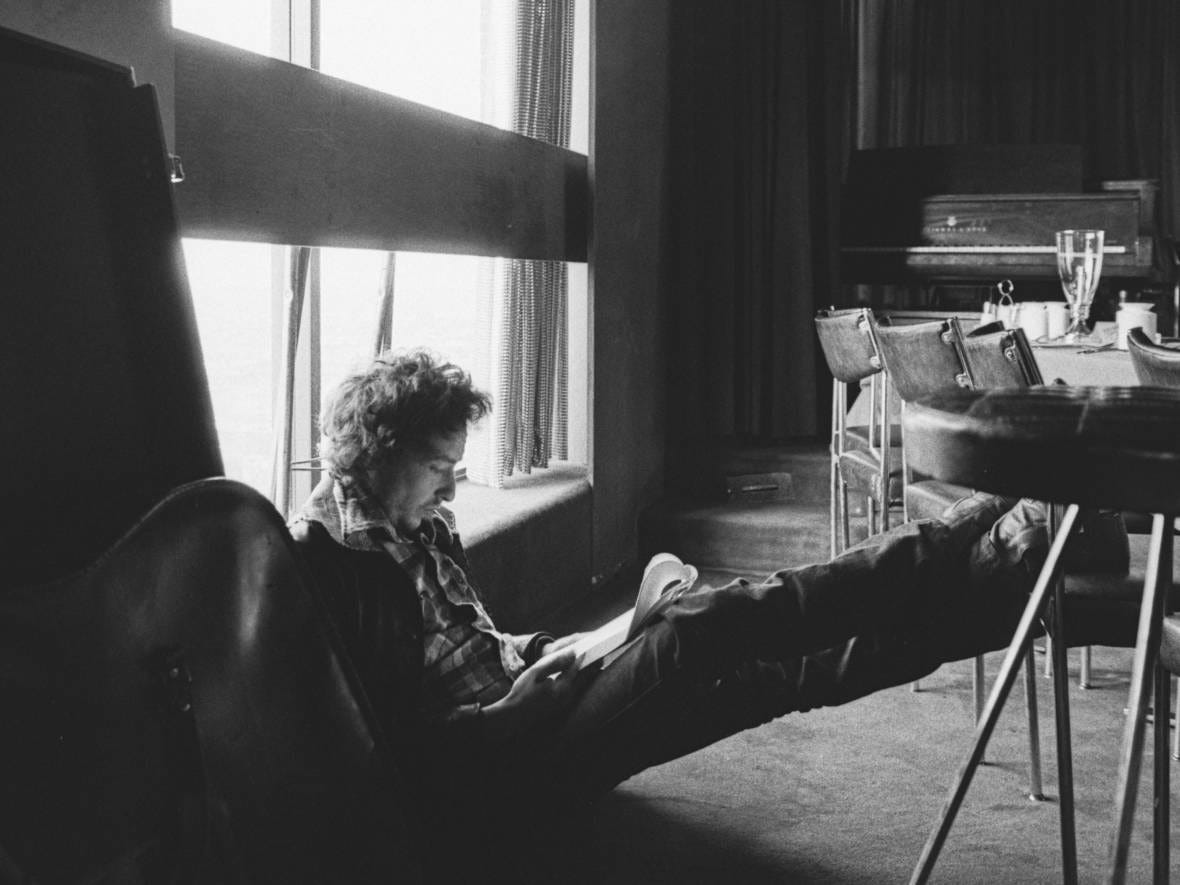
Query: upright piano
x,y
980,213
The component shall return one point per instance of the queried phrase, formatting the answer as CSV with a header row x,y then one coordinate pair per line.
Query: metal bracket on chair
x,y
876,488
963,380
1011,354
948,337
175,680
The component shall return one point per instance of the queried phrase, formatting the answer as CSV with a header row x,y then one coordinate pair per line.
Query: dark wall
x,y
629,132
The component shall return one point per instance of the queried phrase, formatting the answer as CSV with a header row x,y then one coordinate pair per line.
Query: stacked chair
x,y
1159,366
865,458
1155,364
926,358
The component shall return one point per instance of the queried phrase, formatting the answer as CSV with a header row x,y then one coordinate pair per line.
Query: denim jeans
x,y
721,660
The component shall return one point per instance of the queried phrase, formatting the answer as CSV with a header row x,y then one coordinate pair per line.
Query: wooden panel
x,y
278,153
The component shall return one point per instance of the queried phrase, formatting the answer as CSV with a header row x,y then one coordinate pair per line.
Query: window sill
x,y
528,542
482,512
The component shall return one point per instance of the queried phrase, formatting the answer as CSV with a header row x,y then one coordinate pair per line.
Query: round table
x,y
1115,447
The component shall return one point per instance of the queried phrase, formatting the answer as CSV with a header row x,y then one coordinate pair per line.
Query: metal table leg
x,y
1157,581
995,702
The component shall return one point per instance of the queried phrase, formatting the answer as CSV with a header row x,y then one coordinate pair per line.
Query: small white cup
x,y
1056,318
1133,316
1030,316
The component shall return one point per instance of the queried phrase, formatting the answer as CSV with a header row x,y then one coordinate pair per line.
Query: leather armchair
x,y
175,705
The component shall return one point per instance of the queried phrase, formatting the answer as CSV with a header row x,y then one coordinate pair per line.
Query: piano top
x,y
902,224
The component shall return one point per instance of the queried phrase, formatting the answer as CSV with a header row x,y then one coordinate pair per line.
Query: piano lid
x,y
970,212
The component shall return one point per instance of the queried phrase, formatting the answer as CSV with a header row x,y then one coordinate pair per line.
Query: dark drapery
x,y
769,96
758,132
1090,72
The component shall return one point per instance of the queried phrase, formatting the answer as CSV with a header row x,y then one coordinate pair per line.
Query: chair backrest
x,y
1001,358
923,358
847,343
268,765
1154,364
104,386
181,711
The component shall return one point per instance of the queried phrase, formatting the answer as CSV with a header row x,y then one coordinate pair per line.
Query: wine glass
x,y
1079,265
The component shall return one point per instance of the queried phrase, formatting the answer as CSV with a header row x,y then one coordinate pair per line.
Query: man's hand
x,y
558,644
542,691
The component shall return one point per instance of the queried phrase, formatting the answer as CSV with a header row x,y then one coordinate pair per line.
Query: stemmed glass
x,y
1079,265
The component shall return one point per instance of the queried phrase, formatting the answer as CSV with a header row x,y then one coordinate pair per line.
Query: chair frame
x,y
1154,364
1015,350
865,365
951,333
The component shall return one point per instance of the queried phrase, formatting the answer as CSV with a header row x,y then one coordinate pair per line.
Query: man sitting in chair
x,y
490,725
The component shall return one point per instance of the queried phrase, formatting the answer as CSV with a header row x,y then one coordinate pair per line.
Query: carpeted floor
x,y
849,794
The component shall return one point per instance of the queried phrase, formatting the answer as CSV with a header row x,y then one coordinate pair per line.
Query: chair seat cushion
x,y
929,498
857,437
1170,644
860,469
1103,608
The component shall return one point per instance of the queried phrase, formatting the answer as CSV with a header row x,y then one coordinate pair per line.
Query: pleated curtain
x,y
1090,72
523,307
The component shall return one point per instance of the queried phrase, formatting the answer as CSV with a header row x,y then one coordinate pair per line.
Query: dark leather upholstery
x,y
1000,359
1094,446
846,344
105,396
1170,644
922,358
866,459
1154,364
274,774
267,766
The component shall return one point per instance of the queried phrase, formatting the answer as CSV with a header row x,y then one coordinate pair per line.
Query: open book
x,y
664,579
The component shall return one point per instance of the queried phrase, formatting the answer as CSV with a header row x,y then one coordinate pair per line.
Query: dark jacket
x,y
374,606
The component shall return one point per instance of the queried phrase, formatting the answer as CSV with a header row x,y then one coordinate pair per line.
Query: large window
x,y
231,285
247,24
433,306
437,53
427,51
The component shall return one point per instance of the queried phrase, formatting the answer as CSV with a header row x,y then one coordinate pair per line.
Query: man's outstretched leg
x,y
722,660
889,581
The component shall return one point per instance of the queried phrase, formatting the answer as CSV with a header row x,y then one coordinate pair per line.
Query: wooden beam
x,y
277,153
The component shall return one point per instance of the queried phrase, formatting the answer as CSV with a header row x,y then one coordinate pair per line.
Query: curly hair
x,y
403,398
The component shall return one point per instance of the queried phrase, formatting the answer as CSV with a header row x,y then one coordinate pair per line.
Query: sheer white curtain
x,y
523,308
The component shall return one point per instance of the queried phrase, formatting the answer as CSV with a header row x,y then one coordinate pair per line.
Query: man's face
x,y
416,478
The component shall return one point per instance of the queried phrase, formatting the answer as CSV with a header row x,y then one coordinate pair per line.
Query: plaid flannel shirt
x,y
466,659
